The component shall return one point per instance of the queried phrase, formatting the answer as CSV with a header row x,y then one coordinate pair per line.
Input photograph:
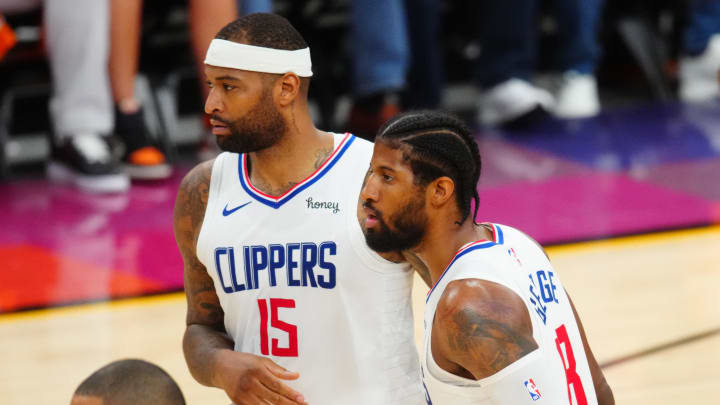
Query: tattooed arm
x,y
205,331
246,378
480,327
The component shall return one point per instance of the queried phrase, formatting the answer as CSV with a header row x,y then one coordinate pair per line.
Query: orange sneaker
x,y
7,37
142,159
147,163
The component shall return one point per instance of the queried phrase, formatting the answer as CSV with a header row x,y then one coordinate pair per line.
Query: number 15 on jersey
x,y
274,305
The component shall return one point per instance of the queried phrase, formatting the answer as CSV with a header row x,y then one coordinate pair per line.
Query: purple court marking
x,y
504,163
700,178
590,206
129,232
622,140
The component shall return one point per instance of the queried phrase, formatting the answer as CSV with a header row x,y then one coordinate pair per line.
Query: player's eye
x,y
209,84
387,178
228,87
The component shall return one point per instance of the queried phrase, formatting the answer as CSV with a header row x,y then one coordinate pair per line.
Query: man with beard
x,y
286,304
499,327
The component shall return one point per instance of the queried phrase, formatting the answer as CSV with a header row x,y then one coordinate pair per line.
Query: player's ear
x,y
440,191
289,89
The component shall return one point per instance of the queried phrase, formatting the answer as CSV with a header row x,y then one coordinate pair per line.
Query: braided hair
x,y
437,144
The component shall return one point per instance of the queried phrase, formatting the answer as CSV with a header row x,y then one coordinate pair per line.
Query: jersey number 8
x,y
568,359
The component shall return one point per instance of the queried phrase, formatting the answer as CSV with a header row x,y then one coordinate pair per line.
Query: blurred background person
x,y
143,158
380,58
507,62
700,61
77,39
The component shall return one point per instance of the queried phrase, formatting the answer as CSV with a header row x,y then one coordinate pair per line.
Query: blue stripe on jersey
x,y
280,201
499,240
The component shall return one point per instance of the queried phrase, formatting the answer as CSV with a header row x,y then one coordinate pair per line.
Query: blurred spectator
x,y
508,33
426,76
128,382
142,158
18,6
255,6
380,54
700,63
81,105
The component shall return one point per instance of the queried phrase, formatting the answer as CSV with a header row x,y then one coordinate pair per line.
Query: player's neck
x,y
296,156
442,242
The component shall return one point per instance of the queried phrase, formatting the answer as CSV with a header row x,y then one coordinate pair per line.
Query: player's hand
x,y
253,380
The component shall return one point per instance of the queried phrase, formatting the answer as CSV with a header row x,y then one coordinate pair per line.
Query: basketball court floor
x,y
627,204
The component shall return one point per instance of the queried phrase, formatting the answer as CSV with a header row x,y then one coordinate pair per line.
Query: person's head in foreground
x,y
425,166
258,68
128,382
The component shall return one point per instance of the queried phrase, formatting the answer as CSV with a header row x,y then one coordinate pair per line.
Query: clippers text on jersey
x,y
305,264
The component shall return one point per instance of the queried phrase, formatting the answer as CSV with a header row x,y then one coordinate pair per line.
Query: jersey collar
x,y
498,239
278,201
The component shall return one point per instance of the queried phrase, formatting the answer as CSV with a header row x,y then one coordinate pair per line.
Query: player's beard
x,y
409,224
262,127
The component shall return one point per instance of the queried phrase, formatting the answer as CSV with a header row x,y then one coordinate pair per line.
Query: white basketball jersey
x,y
555,373
299,285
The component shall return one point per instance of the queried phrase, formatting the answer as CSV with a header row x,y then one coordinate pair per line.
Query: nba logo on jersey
x,y
532,389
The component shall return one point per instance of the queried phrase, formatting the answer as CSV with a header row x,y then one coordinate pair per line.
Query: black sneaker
x,y
87,161
142,159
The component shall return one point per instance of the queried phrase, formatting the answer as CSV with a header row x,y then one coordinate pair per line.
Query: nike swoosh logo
x,y
227,212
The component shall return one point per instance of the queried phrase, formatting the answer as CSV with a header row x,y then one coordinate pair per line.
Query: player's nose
x,y
213,103
369,191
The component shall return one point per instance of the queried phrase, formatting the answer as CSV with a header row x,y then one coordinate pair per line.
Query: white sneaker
x,y
511,100
86,160
577,96
699,75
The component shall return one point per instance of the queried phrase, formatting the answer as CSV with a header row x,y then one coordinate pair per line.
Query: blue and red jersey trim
x,y
278,201
498,239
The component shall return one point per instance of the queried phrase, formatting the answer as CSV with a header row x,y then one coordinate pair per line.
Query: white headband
x,y
232,55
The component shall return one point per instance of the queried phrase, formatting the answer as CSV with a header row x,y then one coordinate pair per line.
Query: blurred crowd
x,y
396,57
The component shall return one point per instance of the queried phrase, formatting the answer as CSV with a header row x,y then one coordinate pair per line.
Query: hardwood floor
x,y
648,303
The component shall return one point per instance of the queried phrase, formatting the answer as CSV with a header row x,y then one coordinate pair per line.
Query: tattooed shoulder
x,y
190,205
484,326
203,304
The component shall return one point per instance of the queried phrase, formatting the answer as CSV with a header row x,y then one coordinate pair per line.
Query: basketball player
x,y
128,382
499,327
286,303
